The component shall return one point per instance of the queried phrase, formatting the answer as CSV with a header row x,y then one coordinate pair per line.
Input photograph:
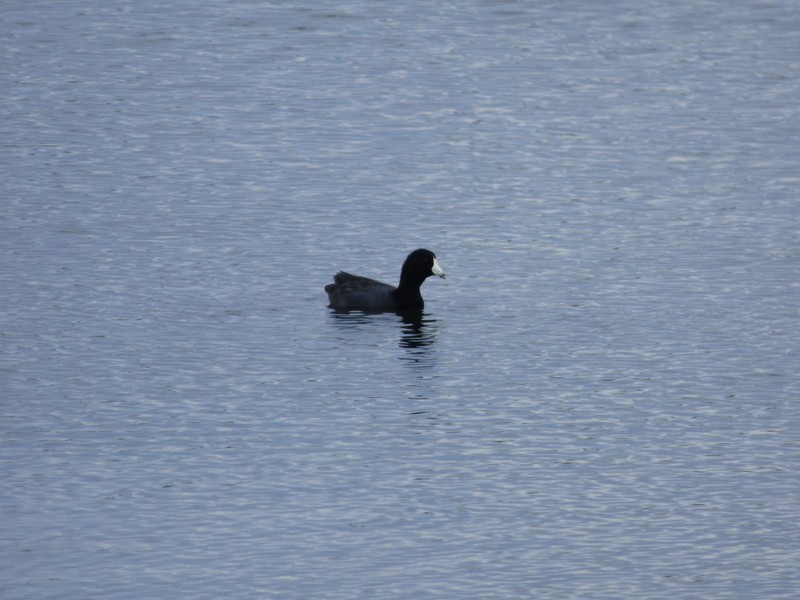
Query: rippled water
x,y
599,402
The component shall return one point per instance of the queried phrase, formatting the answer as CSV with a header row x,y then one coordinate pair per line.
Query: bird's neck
x,y
408,296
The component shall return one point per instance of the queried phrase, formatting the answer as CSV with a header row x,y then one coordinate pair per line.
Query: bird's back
x,y
350,291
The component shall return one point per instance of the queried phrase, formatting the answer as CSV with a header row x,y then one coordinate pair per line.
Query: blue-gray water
x,y
601,400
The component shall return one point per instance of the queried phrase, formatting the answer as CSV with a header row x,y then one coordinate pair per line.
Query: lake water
x,y
601,399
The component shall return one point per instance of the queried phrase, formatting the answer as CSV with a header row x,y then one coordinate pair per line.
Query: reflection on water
x,y
350,319
418,330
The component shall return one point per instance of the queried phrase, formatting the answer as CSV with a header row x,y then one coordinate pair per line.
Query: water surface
x,y
600,401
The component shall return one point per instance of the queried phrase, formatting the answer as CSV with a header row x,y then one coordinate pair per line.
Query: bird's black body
x,y
353,292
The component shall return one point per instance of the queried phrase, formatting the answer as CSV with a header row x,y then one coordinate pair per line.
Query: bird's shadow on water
x,y
418,331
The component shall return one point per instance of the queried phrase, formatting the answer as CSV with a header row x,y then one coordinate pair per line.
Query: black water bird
x,y
353,292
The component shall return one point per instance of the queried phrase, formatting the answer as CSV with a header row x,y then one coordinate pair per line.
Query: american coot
x,y
361,293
